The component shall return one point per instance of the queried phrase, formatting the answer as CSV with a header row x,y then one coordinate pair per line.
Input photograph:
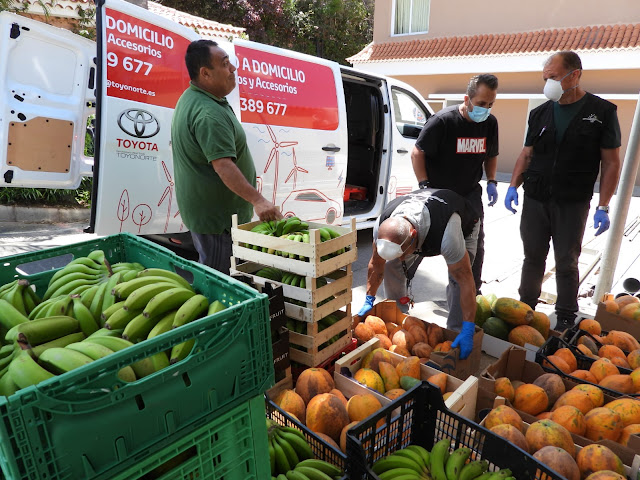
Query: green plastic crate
x,y
233,446
87,422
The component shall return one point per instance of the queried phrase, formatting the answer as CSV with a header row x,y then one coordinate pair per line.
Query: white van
x,y
329,142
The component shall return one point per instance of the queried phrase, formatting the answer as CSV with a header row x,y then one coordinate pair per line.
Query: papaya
x,y
627,408
376,324
389,376
547,432
605,475
435,334
361,406
504,388
541,323
395,393
374,357
553,385
409,366
594,458
512,435
512,311
402,338
496,327
439,380
530,399
627,431
524,334
343,436
590,325
503,414
291,402
618,383
559,460
313,381
596,395
407,382
369,378
385,341
327,414
363,332
603,423
603,368
568,356
570,418
576,398
483,310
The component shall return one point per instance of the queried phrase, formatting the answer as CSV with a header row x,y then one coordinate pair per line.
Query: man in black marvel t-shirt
x,y
456,145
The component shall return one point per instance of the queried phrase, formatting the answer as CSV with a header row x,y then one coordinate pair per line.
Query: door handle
x,y
331,149
402,150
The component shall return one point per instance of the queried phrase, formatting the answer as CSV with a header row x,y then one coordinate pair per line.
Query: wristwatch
x,y
495,182
424,184
604,208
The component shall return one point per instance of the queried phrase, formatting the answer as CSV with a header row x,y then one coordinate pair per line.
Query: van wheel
x,y
331,215
289,215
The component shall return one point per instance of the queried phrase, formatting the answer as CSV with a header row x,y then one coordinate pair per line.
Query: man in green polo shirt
x,y
205,133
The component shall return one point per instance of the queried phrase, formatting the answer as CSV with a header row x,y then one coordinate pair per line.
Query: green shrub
x,y
46,196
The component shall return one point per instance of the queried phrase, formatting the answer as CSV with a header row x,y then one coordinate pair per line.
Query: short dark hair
x,y
198,55
491,81
570,60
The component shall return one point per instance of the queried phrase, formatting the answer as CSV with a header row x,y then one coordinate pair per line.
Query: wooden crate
x,y
339,286
286,383
314,250
462,401
313,340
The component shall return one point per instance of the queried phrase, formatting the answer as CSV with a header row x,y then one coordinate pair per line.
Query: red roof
x,y
596,37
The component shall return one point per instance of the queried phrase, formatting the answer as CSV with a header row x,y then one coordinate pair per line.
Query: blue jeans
x,y
214,250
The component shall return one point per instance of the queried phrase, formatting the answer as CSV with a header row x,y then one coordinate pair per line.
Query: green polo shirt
x,y
205,128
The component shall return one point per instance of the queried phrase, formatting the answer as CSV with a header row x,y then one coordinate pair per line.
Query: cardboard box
x,y
449,363
462,401
277,315
495,347
613,321
281,358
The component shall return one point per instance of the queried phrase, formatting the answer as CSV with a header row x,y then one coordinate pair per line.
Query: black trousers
x,y
563,224
478,261
214,250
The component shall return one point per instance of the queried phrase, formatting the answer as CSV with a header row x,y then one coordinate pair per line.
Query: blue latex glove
x,y
492,194
368,305
512,196
601,219
464,340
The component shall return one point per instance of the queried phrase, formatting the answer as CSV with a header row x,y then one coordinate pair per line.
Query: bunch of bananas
x,y
301,327
291,457
20,296
292,228
416,463
288,278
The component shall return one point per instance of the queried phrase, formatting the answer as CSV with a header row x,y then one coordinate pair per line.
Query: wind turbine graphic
x,y
275,155
295,170
168,193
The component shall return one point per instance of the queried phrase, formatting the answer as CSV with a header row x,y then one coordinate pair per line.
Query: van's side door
x,y
47,82
409,113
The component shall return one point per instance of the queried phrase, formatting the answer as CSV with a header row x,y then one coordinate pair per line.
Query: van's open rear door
x,y
47,77
141,76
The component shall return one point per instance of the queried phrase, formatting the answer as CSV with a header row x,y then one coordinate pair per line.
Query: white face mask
x,y
390,250
553,88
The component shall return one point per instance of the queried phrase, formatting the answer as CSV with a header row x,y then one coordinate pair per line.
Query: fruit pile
x,y
288,278
550,440
381,372
626,305
416,463
294,229
511,320
89,310
291,457
412,337
581,411
612,368
298,326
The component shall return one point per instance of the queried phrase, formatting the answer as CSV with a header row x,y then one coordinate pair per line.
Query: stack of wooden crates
x,y
308,304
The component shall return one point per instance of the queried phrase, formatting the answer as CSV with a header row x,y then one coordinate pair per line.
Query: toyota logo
x,y
138,123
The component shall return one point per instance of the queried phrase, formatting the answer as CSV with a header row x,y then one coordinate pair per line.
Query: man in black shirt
x,y
454,147
570,139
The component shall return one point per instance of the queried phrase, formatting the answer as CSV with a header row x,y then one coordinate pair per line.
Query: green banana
x,y
96,303
164,325
455,463
294,475
64,280
69,287
139,327
159,272
298,443
324,234
72,269
88,294
62,360
292,225
14,296
282,463
121,318
399,473
7,386
59,306
108,312
215,307
181,351
501,474
88,262
272,457
46,329
30,300
105,332
279,227
289,451
438,458
139,298
313,474
84,316
410,454
473,469
167,300
143,367
129,275
124,289
10,316
6,287
25,371
325,467
95,352
57,343
190,310
97,256
391,462
109,297
423,452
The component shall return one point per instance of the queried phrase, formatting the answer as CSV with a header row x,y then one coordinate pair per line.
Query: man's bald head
x,y
394,229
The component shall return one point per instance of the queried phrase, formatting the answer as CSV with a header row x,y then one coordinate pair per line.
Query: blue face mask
x,y
478,114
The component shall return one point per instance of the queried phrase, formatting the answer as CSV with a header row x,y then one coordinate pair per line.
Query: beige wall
x,y
512,114
455,17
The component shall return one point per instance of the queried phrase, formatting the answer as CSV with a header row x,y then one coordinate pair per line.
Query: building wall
x,y
461,18
512,114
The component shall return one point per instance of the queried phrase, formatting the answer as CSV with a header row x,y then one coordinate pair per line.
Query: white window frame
x,y
393,21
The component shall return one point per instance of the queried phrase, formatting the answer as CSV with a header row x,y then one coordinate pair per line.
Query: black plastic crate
x,y
553,344
420,417
321,449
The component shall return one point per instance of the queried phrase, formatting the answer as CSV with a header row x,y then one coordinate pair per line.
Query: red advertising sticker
x,y
145,62
278,90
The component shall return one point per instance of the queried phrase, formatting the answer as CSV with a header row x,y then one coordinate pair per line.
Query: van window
x,y
410,115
